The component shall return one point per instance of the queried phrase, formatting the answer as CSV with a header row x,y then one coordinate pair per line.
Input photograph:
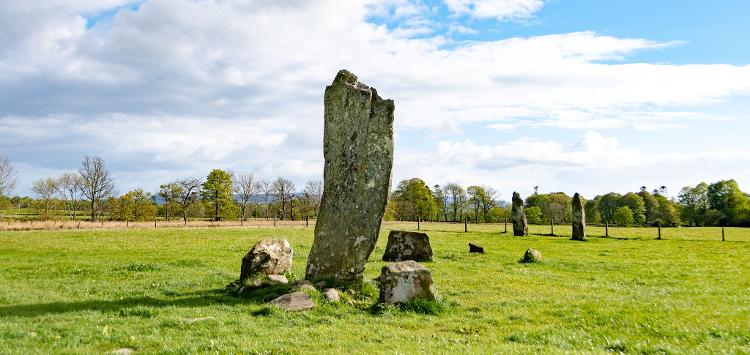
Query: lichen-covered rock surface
x,y
268,257
520,227
295,301
358,151
404,281
579,218
531,256
408,246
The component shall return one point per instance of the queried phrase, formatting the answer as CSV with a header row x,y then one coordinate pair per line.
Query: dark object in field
x,y
408,246
295,301
579,218
268,257
404,281
473,248
358,151
531,256
518,216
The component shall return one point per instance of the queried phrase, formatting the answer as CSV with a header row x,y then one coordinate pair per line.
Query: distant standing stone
x,y
579,218
358,151
295,301
404,281
520,227
408,246
473,248
268,256
531,256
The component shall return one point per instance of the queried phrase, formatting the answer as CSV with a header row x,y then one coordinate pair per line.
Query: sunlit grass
x,y
162,290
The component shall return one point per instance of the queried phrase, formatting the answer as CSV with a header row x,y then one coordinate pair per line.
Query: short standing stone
x,y
332,295
473,248
270,257
408,246
295,301
518,216
531,256
579,218
358,151
404,281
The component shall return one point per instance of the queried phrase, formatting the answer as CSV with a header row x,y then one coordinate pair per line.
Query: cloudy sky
x,y
568,95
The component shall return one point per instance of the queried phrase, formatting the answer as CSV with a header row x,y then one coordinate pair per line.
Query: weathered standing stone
x,y
358,150
579,218
473,248
404,281
268,256
531,256
518,216
408,246
295,301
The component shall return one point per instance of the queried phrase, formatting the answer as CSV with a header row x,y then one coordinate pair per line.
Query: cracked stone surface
x,y
579,218
408,246
269,257
404,281
358,151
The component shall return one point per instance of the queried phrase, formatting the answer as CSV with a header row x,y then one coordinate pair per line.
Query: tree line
x,y
220,195
228,195
718,204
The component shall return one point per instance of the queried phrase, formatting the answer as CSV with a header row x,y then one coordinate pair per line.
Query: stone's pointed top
x,y
347,77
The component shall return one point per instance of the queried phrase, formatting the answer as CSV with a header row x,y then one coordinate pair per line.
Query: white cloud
x,y
499,9
191,85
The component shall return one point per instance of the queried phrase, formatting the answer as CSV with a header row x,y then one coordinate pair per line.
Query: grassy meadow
x,y
163,291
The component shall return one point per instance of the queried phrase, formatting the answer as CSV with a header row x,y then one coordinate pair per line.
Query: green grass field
x,y
162,291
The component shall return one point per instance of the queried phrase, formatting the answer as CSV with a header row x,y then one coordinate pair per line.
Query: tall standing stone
x,y
358,150
579,218
518,216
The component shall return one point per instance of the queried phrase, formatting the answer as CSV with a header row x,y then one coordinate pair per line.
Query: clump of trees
x,y
643,208
718,204
90,193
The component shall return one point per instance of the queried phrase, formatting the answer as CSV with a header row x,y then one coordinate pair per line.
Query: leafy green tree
x,y
651,205
217,192
694,204
623,217
533,215
592,212
725,196
608,205
457,197
135,205
169,193
441,204
413,200
637,206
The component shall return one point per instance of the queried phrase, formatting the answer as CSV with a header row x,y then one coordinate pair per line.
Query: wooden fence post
x,y
722,233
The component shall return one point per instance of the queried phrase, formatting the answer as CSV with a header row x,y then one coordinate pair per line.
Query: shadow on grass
x,y
190,299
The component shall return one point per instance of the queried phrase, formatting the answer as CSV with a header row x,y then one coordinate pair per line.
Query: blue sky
x,y
573,96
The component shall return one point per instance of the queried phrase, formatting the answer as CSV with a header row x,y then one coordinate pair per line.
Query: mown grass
x,y
163,291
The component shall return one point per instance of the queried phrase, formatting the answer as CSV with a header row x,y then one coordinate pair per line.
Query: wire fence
x,y
498,229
